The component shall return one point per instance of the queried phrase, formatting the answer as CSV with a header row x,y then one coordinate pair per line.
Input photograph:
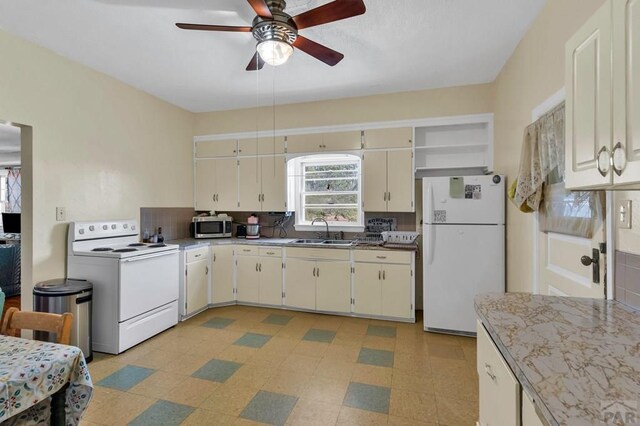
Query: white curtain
x,y
14,191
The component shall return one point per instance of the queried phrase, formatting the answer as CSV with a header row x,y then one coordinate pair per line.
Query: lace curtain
x,y
14,191
542,153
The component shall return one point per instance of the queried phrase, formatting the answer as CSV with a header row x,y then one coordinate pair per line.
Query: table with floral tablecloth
x,y
32,371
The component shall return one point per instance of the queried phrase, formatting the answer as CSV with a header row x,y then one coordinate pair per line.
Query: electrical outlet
x,y
623,214
61,214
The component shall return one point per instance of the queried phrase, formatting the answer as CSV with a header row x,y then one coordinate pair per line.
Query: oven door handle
x,y
149,256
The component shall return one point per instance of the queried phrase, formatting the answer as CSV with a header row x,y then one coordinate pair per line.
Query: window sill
x,y
332,228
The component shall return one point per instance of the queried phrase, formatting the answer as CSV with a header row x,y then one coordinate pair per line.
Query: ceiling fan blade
x,y
318,51
256,63
203,27
330,12
261,8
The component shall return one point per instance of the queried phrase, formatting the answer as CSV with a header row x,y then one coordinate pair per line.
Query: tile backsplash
x,y
173,220
627,278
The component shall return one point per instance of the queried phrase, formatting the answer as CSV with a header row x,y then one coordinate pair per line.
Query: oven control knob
x,y
91,228
113,226
81,231
125,226
105,227
133,227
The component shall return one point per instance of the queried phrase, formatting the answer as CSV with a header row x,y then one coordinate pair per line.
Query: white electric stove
x,y
135,285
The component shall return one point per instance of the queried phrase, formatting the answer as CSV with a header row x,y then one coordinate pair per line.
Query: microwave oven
x,y
211,227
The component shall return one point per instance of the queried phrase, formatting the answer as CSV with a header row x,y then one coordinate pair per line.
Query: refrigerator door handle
x,y
429,228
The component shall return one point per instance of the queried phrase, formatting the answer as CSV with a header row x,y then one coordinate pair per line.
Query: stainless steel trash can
x,y
67,295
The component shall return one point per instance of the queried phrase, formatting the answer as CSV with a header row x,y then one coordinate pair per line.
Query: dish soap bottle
x,y
160,237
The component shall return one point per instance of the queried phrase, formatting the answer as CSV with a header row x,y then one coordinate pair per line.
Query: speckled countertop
x,y
189,243
572,355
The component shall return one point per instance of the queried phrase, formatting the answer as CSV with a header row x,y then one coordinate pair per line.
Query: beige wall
x,y
534,72
628,240
100,148
463,100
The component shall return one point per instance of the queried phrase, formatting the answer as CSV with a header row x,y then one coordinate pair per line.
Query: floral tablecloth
x,y
32,371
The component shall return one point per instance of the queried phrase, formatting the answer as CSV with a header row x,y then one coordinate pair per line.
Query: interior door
x,y
367,289
273,183
205,171
271,280
400,181
588,106
222,274
197,288
249,184
333,286
248,279
374,185
226,184
300,283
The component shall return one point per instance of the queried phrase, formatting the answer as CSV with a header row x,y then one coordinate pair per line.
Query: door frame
x,y
547,105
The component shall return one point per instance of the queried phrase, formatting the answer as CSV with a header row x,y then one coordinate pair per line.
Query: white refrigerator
x,y
464,248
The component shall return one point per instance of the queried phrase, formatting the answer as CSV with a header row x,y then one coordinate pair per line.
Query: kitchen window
x,y
328,187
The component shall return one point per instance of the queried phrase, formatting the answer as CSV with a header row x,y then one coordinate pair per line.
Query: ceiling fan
x,y
277,32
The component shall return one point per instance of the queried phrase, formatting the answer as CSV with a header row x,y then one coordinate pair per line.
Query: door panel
x,y
248,279
197,285
222,274
367,289
205,171
274,184
401,137
342,141
374,185
271,280
226,184
300,284
400,181
396,291
249,184
333,286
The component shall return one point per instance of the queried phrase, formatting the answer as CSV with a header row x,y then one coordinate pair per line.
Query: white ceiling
x,y
9,145
396,45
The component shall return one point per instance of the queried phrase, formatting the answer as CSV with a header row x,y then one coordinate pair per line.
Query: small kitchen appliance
x,y
241,231
211,226
253,227
135,285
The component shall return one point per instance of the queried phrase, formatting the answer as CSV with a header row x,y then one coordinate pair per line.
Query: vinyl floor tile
x,y
218,322
126,378
317,335
378,357
277,319
381,331
253,340
217,370
269,407
368,397
163,413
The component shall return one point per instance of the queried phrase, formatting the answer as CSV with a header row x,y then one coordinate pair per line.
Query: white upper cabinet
x,y
325,142
388,181
261,146
603,109
401,137
223,148
216,184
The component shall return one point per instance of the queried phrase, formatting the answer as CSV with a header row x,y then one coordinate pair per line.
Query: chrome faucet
x,y
321,219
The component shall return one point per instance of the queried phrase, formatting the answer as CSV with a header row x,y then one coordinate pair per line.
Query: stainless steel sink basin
x,y
338,242
309,241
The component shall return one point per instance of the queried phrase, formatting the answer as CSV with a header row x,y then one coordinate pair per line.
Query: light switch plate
x,y
623,214
61,214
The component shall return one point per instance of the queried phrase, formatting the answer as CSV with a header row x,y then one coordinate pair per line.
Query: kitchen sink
x,y
309,241
338,242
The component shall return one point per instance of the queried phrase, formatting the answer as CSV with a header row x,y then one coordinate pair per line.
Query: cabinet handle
x,y
385,196
256,267
384,275
270,252
260,268
314,272
206,270
379,275
389,196
489,371
246,250
618,170
381,257
318,272
606,161
214,257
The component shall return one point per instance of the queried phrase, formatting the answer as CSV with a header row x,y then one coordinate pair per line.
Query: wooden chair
x,y
16,320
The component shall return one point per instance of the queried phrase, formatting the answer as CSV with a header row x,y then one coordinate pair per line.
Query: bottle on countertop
x,y
145,236
160,237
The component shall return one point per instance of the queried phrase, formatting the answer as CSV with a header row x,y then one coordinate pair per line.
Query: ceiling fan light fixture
x,y
274,52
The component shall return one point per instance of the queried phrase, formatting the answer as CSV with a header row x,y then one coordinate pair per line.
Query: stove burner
x,y
157,245
137,245
125,250
102,249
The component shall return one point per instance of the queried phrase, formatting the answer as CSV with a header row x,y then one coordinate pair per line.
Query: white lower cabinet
x,y
300,283
247,279
529,414
270,269
499,388
195,287
333,286
396,291
222,282
367,289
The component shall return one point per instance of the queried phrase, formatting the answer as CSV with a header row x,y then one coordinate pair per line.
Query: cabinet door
x,y
249,184
273,172
225,148
333,286
342,141
248,279
205,180
367,289
261,146
300,283
588,104
197,286
400,181
529,414
396,291
226,184
374,185
304,143
401,137
626,91
222,274
497,383
270,280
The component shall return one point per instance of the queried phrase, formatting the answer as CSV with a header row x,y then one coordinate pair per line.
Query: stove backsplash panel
x,y
173,220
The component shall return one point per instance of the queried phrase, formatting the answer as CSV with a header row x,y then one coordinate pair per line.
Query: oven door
x,y
147,282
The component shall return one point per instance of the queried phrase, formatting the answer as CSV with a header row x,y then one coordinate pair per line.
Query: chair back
x,y
16,320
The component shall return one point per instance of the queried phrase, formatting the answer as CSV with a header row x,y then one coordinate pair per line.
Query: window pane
x,y
332,199
331,185
332,214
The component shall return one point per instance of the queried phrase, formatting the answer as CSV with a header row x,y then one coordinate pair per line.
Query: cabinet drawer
x,y
262,146
225,148
247,250
497,383
197,254
382,256
270,251
318,253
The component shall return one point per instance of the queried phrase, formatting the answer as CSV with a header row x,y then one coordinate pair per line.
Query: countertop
x,y
574,356
189,243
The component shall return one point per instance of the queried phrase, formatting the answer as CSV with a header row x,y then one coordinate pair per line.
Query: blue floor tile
x,y
269,407
218,322
377,357
368,397
163,413
217,370
381,331
316,335
277,319
126,378
252,340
